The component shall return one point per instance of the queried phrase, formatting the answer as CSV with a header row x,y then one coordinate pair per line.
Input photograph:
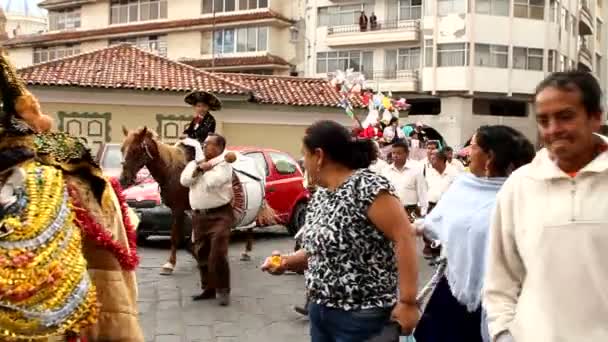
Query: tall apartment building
x,y
461,63
225,35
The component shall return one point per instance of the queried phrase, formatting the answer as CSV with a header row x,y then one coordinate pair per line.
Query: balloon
x,y
386,116
365,99
386,102
377,100
356,89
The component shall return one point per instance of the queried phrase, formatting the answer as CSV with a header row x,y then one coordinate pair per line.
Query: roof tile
x,y
127,67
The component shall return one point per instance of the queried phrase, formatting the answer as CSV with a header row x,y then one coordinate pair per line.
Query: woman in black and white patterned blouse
x,y
358,245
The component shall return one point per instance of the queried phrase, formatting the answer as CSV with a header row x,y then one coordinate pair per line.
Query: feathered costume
x,y
67,245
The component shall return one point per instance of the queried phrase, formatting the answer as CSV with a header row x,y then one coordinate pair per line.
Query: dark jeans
x,y
336,325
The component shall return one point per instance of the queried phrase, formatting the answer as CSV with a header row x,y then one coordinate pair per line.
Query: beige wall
x,y
95,15
281,137
184,45
21,57
183,9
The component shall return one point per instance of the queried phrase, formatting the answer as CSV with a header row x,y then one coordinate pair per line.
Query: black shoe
x,y
301,310
205,295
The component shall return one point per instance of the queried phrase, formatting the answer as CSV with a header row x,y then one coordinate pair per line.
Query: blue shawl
x,y
461,221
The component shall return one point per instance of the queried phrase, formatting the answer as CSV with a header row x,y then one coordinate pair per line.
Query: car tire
x,y
297,218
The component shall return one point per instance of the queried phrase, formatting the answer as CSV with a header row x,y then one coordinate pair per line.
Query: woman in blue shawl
x,y
461,222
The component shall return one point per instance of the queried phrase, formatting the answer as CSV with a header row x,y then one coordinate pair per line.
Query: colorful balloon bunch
x,y
380,103
348,84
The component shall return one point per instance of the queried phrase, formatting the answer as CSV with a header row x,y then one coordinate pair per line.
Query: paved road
x,y
261,308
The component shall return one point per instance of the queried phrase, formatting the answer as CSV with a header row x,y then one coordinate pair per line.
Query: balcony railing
x,y
378,75
380,26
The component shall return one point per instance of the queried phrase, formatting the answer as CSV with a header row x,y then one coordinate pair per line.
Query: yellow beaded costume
x,y
67,248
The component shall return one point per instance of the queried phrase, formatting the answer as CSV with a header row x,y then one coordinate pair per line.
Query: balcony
x,y
397,31
390,80
585,58
585,22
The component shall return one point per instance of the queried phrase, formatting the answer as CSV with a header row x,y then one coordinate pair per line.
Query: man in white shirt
x,y
379,164
407,180
455,163
428,170
210,183
546,278
441,180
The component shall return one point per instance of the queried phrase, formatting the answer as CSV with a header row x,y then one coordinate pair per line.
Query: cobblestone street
x,y
261,307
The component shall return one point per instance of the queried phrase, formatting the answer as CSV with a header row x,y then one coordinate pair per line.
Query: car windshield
x,y
112,158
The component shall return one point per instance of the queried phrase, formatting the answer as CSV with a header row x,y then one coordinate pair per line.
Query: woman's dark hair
x,y
336,142
393,120
510,148
583,82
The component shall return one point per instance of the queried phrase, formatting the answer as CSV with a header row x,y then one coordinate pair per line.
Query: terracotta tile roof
x,y
287,90
237,61
127,67
193,24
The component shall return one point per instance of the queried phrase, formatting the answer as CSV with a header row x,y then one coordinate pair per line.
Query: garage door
x,y
92,127
286,138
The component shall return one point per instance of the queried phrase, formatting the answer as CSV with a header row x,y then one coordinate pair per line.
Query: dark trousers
x,y
446,320
413,211
211,231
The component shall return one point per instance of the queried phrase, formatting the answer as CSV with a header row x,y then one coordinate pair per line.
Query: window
x,y
247,39
531,9
209,6
260,160
341,15
552,60
500,107
453,54
283,163
46,54
424,106
573,22
410,9
128,11
563,63
428,53
495,56
112,158
252,4
598,66
554,8
408,59
64,19
359,61
445,7
493,7
527,58
598,33
566,20
154,44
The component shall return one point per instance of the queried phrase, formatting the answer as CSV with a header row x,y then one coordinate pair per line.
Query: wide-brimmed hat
x,y
202,96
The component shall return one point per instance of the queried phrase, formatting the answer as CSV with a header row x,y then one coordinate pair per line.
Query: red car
x,y
285,191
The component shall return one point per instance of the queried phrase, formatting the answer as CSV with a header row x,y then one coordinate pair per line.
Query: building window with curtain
x,y
209,6
129,11
410,9
493,56
408,59
428,53
64,19
445,7
154,44
341,15
359,61
246,39
530,9
452,54
493,7
50,53
527,58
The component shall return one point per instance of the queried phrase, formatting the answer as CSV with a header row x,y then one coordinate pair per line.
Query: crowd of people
x,y
522,232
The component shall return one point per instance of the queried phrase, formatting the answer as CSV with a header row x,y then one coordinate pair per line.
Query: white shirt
x,y
209,189
439,183
389,133
409,183
378,166
457,164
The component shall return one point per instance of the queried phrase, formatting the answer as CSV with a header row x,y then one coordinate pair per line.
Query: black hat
x,y
202,96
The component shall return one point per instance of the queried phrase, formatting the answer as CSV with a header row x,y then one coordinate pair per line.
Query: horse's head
x,y
138,149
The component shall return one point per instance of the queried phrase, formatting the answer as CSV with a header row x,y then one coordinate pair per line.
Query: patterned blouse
x,y
351,264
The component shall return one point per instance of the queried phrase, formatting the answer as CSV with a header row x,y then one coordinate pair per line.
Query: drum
x,y
248,182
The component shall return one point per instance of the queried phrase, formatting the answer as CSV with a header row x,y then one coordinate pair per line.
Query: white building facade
x,y
461,63
224,35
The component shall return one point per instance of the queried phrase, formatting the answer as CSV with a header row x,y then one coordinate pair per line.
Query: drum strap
x,y
255,178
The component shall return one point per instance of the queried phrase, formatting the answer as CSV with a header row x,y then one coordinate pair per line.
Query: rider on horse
x,y
203,122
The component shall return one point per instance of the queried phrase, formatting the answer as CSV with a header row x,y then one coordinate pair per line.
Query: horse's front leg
x,y
177,234
248,245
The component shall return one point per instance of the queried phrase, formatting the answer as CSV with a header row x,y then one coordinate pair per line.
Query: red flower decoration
x,y
92,230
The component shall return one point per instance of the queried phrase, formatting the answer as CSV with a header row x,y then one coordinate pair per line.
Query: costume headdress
x,y
18,101
205,97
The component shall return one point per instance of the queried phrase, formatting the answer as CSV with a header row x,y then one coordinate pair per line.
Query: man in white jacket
x,y
547,278
210,183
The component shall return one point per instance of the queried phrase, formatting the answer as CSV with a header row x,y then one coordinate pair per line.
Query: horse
x,y
142,148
